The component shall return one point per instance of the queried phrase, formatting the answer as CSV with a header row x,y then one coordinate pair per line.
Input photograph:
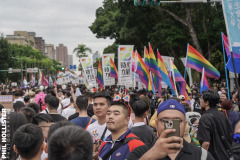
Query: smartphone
x,y
173,124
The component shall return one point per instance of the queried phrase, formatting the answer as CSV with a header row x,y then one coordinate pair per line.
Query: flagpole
x,y
225,66
185,63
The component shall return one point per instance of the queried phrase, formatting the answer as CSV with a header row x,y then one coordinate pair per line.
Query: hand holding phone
x,y
173,124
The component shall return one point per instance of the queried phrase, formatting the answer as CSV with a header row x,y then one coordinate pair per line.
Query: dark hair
x,y
227,104
70,143
68,94
53,102
16,120
28,140
212,97
18,105
82,103
47,98
71,100
28,112
57,125
89,95
133,97
139,108
104,95
142,91
1,107
3,92
20,92
26,98
42,117
125,107
35,107
193,120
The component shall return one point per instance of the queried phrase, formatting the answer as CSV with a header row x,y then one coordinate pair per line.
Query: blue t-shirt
x,y
82,121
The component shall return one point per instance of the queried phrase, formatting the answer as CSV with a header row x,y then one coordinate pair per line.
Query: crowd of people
x,y
72,122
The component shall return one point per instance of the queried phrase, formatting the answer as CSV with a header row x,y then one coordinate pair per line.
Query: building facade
x,y
40,44
22,38
62,55
50,51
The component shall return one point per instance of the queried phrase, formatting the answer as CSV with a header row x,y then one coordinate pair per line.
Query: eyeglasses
x,y
164,120
236,137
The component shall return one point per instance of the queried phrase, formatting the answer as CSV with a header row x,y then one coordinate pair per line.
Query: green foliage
x,y
19,56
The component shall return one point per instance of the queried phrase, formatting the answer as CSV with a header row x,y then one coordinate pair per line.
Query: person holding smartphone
x,y
170,144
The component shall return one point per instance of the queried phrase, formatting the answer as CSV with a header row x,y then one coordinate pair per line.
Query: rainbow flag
x,y
181,83
146,57
144,73
204,83
100,75
196,61
164,73
236,56
24,82
153,66
113,69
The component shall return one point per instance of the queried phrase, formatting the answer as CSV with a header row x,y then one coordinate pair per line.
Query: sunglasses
x,y
236,137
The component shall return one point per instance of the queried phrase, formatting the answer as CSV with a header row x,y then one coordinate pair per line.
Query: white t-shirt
x,y
68,112
96,130
59,110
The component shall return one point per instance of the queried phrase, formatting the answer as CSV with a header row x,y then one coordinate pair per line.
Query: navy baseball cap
x,y
170,104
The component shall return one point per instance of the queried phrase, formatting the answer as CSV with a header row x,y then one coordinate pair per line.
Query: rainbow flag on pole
x,y
204,83
113,69
181,83
100,75
144,73
153,66
146,57
196,61
164,73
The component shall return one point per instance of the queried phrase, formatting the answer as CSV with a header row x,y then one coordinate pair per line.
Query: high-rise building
x,y
50,51
70,59
40,44
62,54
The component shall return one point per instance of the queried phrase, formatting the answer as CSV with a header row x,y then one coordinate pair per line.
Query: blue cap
x,y
170,104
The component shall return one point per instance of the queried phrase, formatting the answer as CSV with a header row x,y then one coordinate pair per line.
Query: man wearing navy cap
x,y
165,148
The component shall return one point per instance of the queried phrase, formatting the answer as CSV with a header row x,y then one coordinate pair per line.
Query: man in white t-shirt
x,y
101,104
70,110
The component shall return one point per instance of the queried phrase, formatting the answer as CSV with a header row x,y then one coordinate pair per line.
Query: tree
x,y
81,50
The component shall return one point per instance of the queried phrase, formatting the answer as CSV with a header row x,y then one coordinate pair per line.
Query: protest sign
x,y
87,65
107,80
125,64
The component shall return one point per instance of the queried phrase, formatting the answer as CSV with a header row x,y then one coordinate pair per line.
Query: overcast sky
x,y
57,21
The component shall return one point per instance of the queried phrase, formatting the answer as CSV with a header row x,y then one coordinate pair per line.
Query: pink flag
x,y
44,80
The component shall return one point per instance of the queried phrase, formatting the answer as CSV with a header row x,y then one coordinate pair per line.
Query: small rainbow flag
x,y
100,75
204,83
113,69
181,83
196,61
164,73
134,61
144,73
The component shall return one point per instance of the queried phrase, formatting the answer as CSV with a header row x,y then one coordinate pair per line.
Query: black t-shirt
x,y
188,152
57,117
144,133
73,116
209,132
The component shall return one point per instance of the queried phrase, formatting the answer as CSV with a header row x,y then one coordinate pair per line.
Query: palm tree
x,y
82,50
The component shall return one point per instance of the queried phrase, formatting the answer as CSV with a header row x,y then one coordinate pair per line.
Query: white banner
x,y
107,80
166,60
87,64
125,64
188,71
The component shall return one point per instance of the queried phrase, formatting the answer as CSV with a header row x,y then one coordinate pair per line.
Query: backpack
x,y
40,100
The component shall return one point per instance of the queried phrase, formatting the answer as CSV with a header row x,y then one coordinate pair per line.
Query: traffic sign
x,y
10,70
32,70
73,67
